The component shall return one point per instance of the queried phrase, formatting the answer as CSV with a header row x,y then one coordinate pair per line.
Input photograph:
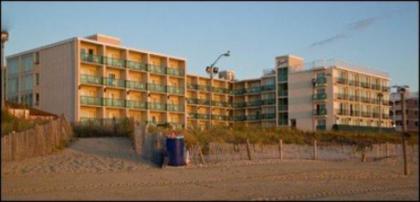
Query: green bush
x,y
122,128
11,123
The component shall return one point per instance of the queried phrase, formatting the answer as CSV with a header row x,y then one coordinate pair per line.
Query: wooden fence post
x,y
315,150
201,155
281,149
248,149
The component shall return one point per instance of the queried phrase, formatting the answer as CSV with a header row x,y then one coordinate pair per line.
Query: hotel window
x,y
37,99
36,60
91,51
37,78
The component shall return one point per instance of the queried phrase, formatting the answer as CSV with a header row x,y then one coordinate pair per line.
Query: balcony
x,y
88,100
321,127
354,83
268,116
366,114
376,87
239,104
385,88
137,66
320,81
156,106
254,103
174,72
114,62
91,58
220,90
192,86
89,79
156,87
239,91
199,116
282,78
268,87
219,103
353,98
343,112
175,90
268,101
375,115
156,69
135,85
282,93
253,117
253,90
113,102
192,101
365,99
203,102
240,118
114,82
320,112
174,107
354,113
342,96
219,117
320,96
136,104
341,80
364,84
282,107
204,87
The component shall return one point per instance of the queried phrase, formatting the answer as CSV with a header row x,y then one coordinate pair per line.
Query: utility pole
x,y
401,90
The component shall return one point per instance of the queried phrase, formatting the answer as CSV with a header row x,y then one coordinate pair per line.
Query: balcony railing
x,y
240,118
341,96
354,113
156,106
354,83
282,107
203,102
239,104
114,82
156,69
364,84
220,90
365,99
175,90
91,58
239,91
268,87
192,86
219,117
320,112
114,62
341,80
320,81
344,112
385,88
136,65
175,107
268,116
282,93
136,85
199,116
254,90
254,103
88,100
136,104
175,72
219,103
366,114
376,86
156,87
320,96
113,102
269,101
253,117
204,87
321,127
89,79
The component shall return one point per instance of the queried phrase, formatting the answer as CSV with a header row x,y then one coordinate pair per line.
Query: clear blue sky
x,y
381,35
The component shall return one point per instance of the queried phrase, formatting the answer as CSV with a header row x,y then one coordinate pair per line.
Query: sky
x,y
379,35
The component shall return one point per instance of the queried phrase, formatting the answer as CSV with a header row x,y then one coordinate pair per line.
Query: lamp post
x,y
401,90
214,70
380,96
4,38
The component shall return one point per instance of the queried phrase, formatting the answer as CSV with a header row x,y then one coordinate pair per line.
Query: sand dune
x,y
107,169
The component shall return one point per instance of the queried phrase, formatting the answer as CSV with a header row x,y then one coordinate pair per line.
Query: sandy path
x,y
107,169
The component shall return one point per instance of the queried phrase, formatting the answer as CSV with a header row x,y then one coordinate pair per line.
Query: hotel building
x,y
96,78
412,111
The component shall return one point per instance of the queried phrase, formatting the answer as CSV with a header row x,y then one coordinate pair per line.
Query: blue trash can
x,y
175,149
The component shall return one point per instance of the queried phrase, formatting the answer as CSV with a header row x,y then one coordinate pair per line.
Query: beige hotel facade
x,y
96,78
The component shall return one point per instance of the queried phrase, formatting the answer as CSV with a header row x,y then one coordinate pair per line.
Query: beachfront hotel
x,y
96,78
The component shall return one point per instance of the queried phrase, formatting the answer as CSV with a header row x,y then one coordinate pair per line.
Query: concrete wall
x,y
38,141
300,99
56,86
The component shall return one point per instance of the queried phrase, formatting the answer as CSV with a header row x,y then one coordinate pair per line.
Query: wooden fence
x,y
40,140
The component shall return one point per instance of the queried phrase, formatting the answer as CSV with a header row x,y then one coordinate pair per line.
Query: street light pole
x,y
401,90
213,70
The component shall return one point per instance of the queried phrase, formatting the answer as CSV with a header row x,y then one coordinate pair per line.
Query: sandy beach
x,y
108,169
